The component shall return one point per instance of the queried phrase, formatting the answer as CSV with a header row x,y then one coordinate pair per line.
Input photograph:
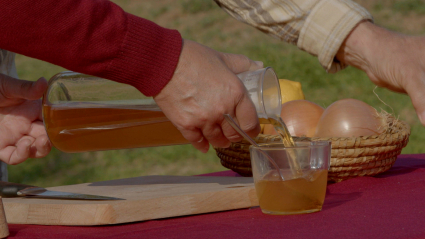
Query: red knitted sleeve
x,y
94,37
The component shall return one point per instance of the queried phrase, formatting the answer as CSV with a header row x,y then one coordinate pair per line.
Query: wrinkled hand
x,y
391,60
203,88
22,134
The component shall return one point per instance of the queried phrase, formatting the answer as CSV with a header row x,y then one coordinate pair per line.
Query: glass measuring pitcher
x,y
86,113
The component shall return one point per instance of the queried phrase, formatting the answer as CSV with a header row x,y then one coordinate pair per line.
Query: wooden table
x,y
391,205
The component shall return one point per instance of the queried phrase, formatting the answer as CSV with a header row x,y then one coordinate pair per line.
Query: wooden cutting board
x,y
148,197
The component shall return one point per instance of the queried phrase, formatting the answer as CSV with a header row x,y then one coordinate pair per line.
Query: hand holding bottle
x,y
203,88
21,125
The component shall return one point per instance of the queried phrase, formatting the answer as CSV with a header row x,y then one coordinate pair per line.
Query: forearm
x,y
364,42
94,37
316,26
355,47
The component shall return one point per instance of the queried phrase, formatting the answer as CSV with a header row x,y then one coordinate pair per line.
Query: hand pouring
x,y
8,189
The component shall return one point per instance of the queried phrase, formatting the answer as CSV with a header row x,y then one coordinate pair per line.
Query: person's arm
x,y
192,84
94,37
316,26
390,59
341,33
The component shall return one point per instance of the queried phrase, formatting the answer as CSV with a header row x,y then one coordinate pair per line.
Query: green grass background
x,y
206,23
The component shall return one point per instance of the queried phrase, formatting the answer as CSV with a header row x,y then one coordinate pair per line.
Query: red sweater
x,y
94,37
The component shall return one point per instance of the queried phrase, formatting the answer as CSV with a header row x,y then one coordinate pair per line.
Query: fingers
x,y
41,147
40,86
208,133
26,147
30,109
247,117
196,138
415,90
215,136
240,63
222,135
218,131
256,66
231,134
37,129
18,153
14,88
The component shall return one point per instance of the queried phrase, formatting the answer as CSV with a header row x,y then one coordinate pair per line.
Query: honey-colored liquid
x,y
293,196
287,141
283,131
74,127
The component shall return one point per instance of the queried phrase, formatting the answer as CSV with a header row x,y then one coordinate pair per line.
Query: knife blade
x,y
8,189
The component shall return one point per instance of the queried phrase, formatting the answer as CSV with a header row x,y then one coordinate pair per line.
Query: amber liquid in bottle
x,y
79,127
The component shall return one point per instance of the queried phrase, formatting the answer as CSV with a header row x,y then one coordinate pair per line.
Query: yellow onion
x,y
300,116
349,118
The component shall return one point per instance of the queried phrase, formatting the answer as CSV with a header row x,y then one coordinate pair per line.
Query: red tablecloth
x,y
391,205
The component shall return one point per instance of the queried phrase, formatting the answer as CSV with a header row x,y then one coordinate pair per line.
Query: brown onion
x,y
349,118
300,116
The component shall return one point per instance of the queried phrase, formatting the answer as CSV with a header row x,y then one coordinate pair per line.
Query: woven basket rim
x,y
350,156
400,131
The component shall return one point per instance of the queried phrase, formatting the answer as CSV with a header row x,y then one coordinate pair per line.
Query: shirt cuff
x,y
327,26
148,57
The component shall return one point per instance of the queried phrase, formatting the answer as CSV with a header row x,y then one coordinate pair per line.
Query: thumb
x,y
240,63
21,89
415,90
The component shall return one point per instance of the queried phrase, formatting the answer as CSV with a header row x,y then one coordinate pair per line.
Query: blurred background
x,y
203,21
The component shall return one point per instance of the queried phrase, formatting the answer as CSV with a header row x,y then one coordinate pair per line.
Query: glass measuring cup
x,y
86,113
264,90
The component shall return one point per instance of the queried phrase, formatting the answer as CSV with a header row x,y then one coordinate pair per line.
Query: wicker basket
x,y
350,157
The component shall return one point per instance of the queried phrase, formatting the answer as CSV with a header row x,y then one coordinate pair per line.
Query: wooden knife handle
x,y
4,228
8,189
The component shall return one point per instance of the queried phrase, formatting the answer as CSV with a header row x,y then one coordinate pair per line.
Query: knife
x,y
8,189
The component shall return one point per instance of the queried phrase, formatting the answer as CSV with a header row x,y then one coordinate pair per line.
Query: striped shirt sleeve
x,y
318,27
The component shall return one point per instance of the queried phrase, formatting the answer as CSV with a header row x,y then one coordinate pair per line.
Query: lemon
x,y
290,90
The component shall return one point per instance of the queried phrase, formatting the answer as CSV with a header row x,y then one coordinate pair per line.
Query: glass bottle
x,y
86,113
